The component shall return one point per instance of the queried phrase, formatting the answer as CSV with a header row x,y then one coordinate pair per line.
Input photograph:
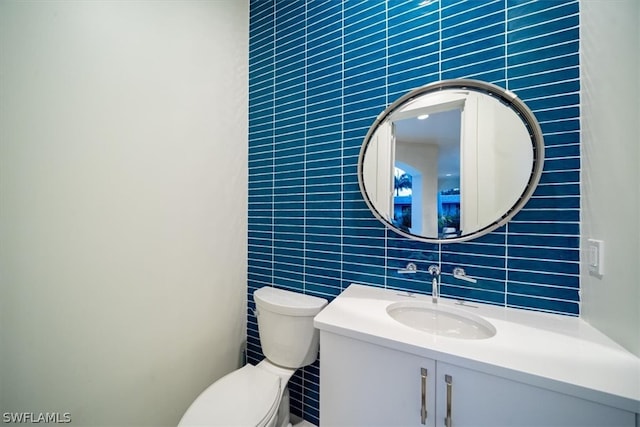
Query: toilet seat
x,y
248,396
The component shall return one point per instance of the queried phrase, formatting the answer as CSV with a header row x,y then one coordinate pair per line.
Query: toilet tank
x,y
285,325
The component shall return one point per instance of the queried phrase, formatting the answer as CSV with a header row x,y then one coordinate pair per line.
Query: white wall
x,y
610,77
123,217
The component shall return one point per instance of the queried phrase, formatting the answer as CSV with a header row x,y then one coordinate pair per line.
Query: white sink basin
x,y
438,320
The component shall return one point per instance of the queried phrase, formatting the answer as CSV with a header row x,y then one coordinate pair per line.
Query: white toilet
x,y
257,395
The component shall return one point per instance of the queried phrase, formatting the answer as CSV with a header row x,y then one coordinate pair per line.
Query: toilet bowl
x,y
258,395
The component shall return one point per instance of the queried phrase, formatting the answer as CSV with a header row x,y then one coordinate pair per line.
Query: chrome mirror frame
x,y
504,96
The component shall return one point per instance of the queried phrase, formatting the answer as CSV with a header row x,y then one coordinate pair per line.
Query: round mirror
x,y
451,161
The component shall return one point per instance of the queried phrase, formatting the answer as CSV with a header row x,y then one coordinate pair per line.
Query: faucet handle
x,y
434,270
459,273
409,269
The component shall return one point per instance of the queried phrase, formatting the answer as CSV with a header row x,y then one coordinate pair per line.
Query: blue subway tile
x,y
455,12
562,164
518,31
316,84
544,241
551,266
558,190
469,294
419,40
567,202
569,294
527,69
552,228
484,32
361,13
543,304
529,12
495,261
560,126
414,12
570,149
559,177
562,254
556,215
524,55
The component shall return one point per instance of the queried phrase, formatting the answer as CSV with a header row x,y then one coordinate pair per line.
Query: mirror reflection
x,y
451,161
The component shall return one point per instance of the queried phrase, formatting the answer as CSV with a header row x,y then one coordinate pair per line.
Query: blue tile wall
x,y
319,74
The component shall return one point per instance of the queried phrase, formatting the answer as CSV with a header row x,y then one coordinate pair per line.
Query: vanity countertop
x,y
556,352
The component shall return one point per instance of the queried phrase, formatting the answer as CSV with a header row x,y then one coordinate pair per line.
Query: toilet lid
x,y
246,397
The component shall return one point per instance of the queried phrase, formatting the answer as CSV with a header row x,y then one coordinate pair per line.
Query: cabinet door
x,y
478,399
363,384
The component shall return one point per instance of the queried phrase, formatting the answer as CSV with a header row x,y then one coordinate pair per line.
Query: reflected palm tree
x,y
401,182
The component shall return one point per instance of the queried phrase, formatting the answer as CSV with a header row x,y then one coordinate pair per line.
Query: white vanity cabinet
x,y
365,384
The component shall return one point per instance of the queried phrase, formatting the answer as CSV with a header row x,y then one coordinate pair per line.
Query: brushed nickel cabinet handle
x,y
449,380
423,387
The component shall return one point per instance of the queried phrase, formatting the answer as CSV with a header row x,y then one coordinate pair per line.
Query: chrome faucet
x,y
434,270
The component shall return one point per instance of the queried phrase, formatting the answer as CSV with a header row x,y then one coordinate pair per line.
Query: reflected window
x,y
402,198
449,212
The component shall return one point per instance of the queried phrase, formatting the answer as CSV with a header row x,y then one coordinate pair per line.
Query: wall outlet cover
x,y
595,257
